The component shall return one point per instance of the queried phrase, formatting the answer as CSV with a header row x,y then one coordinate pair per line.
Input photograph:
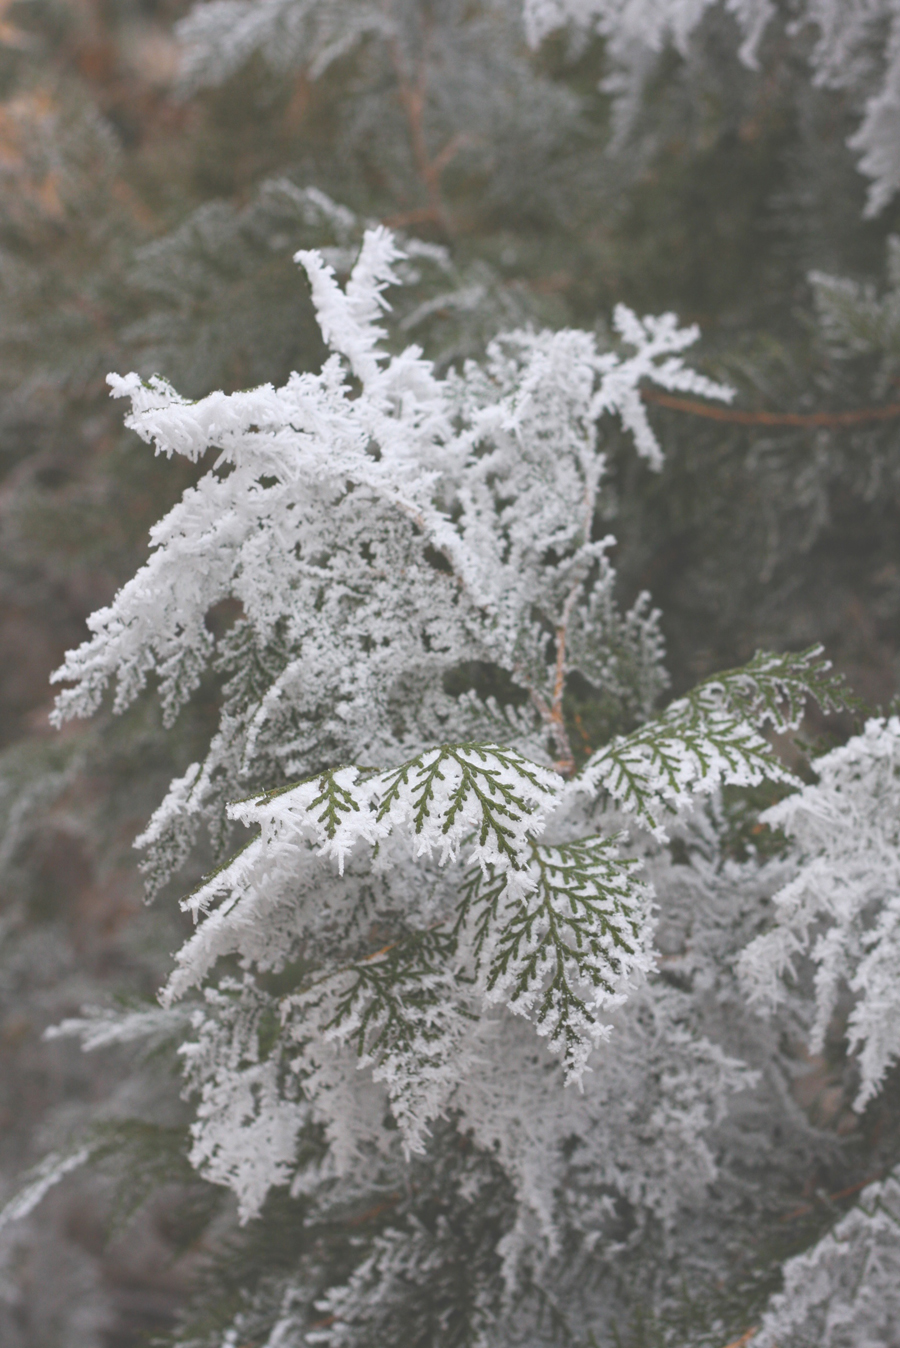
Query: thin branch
x,y
588,747
457,142
566,765
832,420
806,1208
553,714
371,1213
412,98
421,215
744,1338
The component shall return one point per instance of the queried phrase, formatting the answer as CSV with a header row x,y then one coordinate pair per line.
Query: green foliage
x,y
711,734
540,948
489,780
142,1158
393,997
139,231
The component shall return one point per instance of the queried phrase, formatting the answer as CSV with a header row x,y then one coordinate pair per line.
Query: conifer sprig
x,y
498,789
568,948
402,1010
713,736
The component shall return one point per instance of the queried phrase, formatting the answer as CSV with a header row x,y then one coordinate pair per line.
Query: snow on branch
x,y
348,320
850,54
842,910
420,875
845,1290
558,932
288,458
712,737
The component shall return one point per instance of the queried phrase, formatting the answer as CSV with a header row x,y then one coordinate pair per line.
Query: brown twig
x,y
412,98
299,101
377,1211
833,420
552,712
583,733
744,1339
421,215
806,1208
567,761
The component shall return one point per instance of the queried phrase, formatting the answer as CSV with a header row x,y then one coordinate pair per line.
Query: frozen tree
x,y
416,578
479,859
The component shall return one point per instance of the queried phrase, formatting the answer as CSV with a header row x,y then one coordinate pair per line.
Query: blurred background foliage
x,y
150,206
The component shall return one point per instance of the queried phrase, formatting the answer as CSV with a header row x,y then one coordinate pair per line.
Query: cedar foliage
x,y
534,177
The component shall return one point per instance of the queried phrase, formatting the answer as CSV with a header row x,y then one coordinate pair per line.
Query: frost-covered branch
x,y
712,737
857,51
842,910
429,891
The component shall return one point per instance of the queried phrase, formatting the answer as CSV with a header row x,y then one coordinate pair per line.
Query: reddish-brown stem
x,y
377,1211
566,765
583,733
829,420
552,716
806,1208
422,215
744,1339
299,101
412,98
552,712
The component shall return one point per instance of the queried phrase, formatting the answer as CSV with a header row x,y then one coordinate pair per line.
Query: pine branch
x,y
400,1009
390,999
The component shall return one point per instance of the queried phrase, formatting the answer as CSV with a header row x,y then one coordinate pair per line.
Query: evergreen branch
x,y
711,736
400,1009
336,800
777,687
389,997
568,948
493,791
